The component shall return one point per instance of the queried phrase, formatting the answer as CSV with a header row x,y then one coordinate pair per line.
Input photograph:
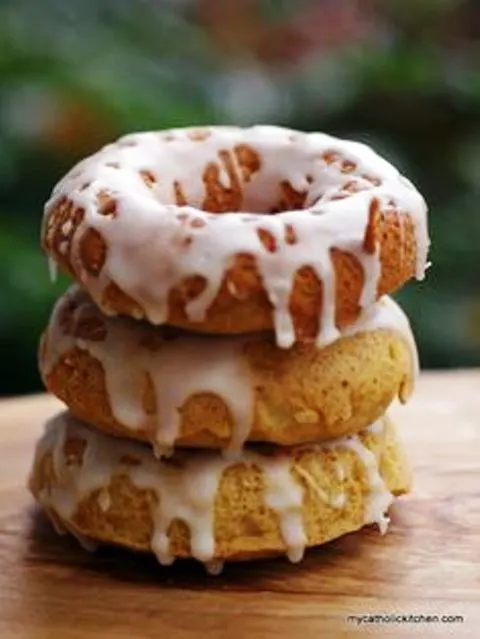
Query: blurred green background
x,y
402,75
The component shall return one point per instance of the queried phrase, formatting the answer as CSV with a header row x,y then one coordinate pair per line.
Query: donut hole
x,y
269,178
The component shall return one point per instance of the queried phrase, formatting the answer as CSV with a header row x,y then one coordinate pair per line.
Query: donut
x,y
172,388
199,504
236,230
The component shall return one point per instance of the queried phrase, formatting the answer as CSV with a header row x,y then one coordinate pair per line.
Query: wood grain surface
x,y
428,563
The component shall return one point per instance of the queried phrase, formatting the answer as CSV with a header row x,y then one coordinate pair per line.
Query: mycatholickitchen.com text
x,y
393,618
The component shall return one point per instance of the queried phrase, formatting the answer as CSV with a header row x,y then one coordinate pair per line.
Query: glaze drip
x,y
187,490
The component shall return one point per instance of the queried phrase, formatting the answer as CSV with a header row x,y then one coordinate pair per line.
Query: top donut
x,y
233,230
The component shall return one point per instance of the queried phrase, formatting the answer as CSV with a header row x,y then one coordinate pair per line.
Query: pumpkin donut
x,y
199,504
170,388
234,230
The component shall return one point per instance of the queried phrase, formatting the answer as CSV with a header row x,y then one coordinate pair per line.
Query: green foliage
x,y
26,299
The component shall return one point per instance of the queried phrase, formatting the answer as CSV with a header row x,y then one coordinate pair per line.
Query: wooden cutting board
x,y
428,563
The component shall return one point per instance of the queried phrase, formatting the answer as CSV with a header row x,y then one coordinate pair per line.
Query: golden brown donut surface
x,y
231,230
171,388
200,504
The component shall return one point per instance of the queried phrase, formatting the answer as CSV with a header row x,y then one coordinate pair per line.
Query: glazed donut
x,y
234,230
199,504
161,385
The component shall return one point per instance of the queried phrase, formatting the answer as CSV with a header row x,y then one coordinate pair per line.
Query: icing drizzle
x,y
187,492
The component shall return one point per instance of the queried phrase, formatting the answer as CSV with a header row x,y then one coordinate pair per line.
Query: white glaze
x,y
147,244
180,368
380,497
187,491
308,479
285,496
336,500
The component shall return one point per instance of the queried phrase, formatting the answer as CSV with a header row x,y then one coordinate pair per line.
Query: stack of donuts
x,y
229,347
